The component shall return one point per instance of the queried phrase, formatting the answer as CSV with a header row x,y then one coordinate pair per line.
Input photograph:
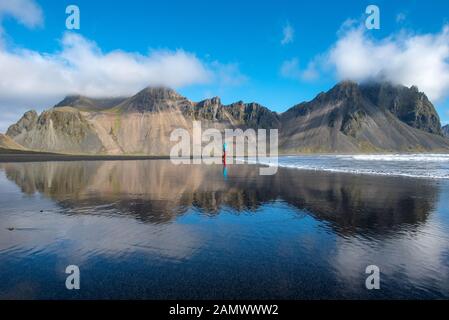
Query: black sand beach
x,y
32,156
150,229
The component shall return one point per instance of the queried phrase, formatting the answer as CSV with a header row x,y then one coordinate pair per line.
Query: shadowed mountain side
x,y
349,118
407,104
445,130
158,192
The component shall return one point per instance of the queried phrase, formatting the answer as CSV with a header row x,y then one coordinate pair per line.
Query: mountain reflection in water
x,y
156,230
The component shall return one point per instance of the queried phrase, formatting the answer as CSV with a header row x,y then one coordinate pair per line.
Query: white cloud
x,y
400,17
402,58
408,59
81,67
403,254
26,12
290,69
228,74
288,34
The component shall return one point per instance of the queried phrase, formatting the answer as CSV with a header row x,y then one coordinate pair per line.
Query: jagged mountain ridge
x,y
141,124
349,118
160,99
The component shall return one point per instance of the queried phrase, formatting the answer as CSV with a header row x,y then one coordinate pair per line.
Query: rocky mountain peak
x,y
70,100
344,90
155,99
26,123
215,101
159,93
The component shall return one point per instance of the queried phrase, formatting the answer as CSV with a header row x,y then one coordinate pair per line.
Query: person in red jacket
x,y
224,153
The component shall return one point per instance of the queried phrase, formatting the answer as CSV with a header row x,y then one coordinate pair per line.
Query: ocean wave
x,y
428,166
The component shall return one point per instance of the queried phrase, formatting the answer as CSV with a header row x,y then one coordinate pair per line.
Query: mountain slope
x,y
6,143
445,130
349,118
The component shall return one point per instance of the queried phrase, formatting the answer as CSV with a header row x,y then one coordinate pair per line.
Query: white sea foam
x,y
398,157
430,166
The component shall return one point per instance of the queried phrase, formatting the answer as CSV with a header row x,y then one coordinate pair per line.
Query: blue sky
x,y
238,50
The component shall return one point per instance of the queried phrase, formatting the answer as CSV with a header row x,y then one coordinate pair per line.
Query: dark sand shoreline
x,y
36,156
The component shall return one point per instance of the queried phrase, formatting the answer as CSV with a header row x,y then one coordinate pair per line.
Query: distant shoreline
x,y
7,155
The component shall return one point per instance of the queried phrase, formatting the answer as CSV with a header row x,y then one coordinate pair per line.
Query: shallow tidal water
x,y
151,230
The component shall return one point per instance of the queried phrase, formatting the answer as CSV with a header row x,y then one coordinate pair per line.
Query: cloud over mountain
x,y
82,67
402,58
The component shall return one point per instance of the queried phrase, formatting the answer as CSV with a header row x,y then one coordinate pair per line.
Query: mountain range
x,y
349,118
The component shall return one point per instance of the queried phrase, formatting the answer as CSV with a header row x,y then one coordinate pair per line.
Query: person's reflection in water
x,y
225,172
225,169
